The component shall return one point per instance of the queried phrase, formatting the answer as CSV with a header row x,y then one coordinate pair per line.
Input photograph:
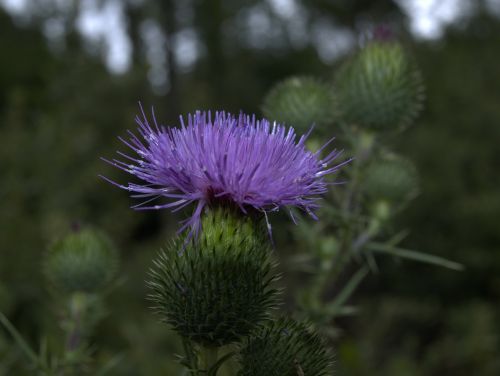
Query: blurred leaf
x,y
347,290
18,338
414,255
110,365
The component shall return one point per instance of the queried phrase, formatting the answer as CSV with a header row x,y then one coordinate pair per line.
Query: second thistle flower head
x,y
253,164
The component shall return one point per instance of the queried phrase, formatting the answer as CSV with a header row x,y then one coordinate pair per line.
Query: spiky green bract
x,y
83,261
285,348
379,88
300,102
393,179
217,288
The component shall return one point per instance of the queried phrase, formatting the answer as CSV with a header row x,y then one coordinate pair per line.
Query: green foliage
x,y
216,288
379,87
285,348
447,340
300,102
392,178
83,261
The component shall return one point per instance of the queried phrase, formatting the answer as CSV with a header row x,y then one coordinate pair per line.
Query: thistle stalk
x,y
74,327
210,357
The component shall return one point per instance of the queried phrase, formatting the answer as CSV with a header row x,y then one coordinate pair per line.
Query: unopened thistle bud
x,y
83,261
285,347
301,102
216,288
391,179
379,88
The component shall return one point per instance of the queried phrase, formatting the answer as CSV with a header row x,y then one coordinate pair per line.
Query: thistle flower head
x,y
251,163
383,33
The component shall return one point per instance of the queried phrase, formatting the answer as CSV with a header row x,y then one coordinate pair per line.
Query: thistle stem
x,y
73,334
210,356
351,241
191,358
18,338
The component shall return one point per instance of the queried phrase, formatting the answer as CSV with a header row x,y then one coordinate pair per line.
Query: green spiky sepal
x,y
380,88
300,102
217,288
285,348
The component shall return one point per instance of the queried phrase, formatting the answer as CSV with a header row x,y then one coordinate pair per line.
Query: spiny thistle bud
x,y
391,179
216,288
300,102
379,88
285,347
83,261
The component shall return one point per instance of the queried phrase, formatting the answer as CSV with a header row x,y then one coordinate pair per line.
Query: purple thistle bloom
x,y
252,163
383,33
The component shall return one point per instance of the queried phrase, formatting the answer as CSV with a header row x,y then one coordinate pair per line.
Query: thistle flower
x,y
251,163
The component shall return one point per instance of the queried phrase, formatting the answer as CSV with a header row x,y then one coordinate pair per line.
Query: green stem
x,y
191,357
74,332
18,338
210,356
350,206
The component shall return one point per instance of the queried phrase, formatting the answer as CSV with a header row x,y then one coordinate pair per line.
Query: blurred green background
x,y
71,74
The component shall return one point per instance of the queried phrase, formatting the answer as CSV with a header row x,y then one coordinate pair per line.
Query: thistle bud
x,y
285,347
300,102
83,261
379,88
216,288
391,179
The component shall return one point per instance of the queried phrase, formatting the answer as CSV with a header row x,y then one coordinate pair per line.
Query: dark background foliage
x,y
61,109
